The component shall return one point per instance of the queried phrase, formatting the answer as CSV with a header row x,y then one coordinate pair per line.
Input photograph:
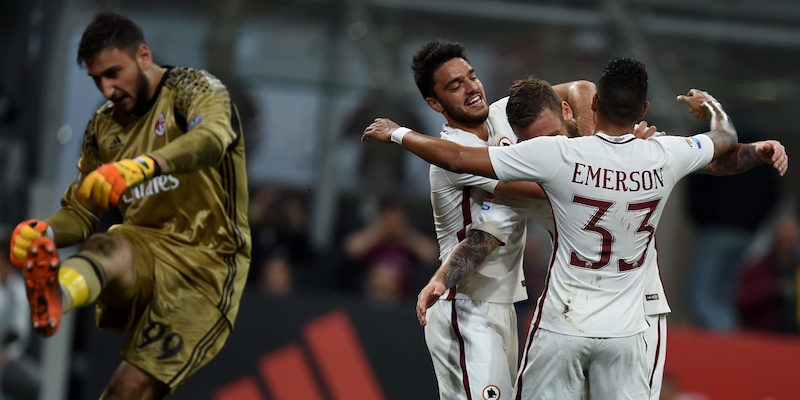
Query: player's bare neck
x,y
154,77
612,129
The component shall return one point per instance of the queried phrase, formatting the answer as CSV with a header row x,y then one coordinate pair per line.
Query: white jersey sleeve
x,y
683,161
516,162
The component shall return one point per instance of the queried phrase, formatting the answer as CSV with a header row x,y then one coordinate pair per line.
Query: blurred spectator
x,y
369,168
384,283
279,226
767,294
20,376
725,221
277,277
392,253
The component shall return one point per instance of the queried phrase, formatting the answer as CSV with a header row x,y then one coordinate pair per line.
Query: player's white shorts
x,y
474,348
656,339
555,366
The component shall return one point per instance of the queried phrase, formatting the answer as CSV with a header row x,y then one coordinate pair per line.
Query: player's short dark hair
x,y
109,30
429,58
622,90
527,98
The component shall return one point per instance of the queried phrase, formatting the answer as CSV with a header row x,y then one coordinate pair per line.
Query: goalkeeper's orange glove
x,y
22,237
105,185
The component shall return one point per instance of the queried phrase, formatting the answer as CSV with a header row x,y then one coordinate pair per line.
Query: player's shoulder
x,y
191,84
103,115
499,106
105,109
193,80
680,143
497,119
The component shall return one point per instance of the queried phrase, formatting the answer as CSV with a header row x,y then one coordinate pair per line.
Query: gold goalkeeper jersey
x,y
205,208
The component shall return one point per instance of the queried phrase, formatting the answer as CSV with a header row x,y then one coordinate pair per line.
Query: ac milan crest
x,y
161,125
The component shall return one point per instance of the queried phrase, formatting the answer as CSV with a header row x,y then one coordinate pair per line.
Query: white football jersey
x,y
607,195
457,200
655,299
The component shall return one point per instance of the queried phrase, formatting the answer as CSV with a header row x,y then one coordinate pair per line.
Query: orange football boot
x,y
41,284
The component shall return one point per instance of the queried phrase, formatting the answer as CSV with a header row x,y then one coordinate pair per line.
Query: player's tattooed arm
x,y
467,257
746,156
462,261
722,132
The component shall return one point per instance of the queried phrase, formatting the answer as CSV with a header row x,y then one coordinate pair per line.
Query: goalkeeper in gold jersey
x,y
167,151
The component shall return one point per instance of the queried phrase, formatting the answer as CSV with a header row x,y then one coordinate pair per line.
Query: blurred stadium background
x,y
309,76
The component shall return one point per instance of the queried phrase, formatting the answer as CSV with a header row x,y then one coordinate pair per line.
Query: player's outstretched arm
x,y
462,261
746,156
722,133
444,153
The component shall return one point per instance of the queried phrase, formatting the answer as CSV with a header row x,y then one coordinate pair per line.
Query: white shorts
x,y
656,339
556,366
474,348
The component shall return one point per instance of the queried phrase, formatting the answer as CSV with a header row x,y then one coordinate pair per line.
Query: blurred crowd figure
x,y
282,253
767,295
383,257
390,254
18,369
725,221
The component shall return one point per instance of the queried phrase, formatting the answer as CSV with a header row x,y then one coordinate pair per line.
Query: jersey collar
x,y
153,100
616,139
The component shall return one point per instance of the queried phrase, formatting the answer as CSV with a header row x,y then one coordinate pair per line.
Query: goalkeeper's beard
x,y
142,103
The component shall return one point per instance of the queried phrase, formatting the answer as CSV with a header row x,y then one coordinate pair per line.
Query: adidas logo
x,y
117,143
331,343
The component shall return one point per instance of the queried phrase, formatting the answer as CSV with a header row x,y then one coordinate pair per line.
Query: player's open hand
x,y
642,131
773,152
381,129
428,296
697,99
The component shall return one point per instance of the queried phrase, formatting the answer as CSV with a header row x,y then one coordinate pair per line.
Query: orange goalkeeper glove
x,y
22,237
105,185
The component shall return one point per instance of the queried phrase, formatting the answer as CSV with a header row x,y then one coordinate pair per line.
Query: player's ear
x,y
644,109
144,56
594,102
566,111
434,103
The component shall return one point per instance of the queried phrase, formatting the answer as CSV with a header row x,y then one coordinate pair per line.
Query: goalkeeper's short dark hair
x,y
109,30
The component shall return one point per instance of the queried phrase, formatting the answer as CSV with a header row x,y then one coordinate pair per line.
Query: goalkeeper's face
x,y
120,78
